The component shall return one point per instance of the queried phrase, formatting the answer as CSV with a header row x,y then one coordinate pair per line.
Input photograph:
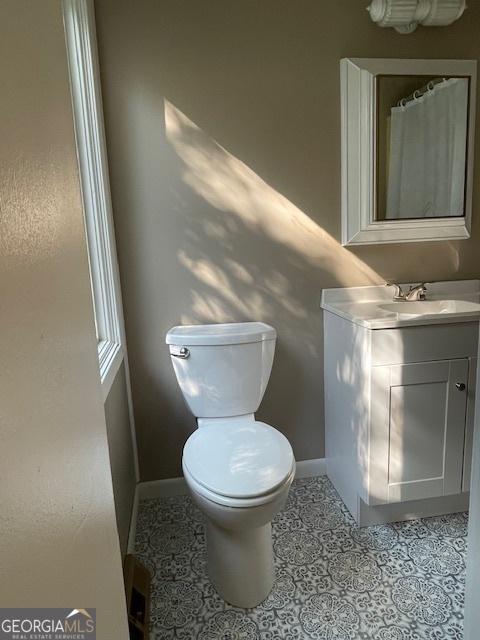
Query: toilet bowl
x,y
238,470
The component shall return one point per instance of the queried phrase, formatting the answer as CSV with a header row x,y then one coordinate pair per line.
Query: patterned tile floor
x,y
334,581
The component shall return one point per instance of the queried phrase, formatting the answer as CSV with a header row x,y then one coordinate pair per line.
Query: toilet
x,y
238,469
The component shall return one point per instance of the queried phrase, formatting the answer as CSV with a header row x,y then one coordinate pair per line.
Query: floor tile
x,y
334,581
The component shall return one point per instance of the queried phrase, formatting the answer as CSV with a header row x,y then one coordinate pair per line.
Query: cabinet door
x,y
418,415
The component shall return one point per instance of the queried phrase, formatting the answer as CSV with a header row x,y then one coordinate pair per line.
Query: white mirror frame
x,y
359,115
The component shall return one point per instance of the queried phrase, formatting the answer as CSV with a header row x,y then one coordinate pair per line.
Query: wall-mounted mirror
x,y
407,149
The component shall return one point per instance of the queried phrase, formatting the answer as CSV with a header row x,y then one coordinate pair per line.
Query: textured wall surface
x,y
223,131
121,454
58,539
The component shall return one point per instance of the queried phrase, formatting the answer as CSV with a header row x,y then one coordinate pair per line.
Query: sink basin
x,y
430,307
372,306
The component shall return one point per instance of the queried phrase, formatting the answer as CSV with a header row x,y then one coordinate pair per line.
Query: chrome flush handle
x,y
183,353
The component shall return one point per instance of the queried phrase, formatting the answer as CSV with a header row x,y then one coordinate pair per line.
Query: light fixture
x,y
405,15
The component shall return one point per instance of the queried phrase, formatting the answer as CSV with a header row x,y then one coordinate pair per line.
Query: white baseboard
x,y
178,487
133,522
162,488
311,468
412,510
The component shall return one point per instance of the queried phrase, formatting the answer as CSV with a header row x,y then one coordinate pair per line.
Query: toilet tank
x,y
222,369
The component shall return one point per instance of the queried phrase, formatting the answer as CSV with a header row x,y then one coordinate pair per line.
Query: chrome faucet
x,y
418,292
415,294
398,295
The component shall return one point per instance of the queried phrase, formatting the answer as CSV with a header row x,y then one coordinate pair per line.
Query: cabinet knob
x,y
460,386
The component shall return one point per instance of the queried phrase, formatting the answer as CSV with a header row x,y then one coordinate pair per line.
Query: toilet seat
x,y
238,461
236,503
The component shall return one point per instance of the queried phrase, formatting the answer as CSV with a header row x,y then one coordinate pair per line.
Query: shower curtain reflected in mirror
x,y
427,155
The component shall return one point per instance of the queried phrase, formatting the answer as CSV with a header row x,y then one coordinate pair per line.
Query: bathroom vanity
x,y
399,399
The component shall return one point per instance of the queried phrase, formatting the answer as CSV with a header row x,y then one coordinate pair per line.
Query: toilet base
x,y
240,563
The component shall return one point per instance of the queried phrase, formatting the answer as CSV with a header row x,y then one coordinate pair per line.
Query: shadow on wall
x,y
253,254
245,204
201,237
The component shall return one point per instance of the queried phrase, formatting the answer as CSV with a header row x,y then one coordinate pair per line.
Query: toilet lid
x,y
241,461
220,334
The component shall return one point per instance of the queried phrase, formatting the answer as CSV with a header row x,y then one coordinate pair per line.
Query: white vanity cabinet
x,y
417,430
399,409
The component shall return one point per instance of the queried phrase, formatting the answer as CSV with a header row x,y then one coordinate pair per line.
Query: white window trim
x,y
82,55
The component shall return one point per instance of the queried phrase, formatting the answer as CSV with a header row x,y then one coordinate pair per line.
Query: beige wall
x,y
121,454
223,130
58,540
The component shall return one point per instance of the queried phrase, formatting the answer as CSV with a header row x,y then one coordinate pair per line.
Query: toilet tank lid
x,y
220,334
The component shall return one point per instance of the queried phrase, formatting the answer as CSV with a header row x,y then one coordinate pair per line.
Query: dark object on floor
x,y
137,588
